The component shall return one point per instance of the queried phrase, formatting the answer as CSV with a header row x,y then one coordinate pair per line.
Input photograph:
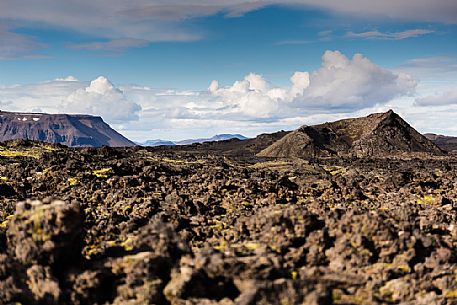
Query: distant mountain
x,y
378,134
444,142
69,130
219,137
157,142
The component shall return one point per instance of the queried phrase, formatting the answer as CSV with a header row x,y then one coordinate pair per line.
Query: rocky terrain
x,y
69,130
374,135
370,217
156,226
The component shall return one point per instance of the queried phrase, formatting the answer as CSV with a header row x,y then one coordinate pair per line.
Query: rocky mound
x,y
444,142
69,130
378,134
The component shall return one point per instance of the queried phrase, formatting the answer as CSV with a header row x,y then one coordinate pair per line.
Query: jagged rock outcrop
x,y
69,130
376,135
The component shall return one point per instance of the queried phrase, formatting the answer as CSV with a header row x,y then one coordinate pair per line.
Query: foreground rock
x,y
145,226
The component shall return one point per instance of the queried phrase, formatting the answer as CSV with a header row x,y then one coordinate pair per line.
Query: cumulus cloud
x,y
389,36
446,98
249,106
340,83
352,83
102,98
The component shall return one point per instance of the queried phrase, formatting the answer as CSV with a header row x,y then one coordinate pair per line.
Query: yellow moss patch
x,y
127,244
275,165
294,275
222,245
246,204
72,181
427,199
252,246
26,152
451,294
102,173
181,162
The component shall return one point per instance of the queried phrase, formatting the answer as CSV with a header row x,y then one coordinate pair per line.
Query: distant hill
x,y
378,134
218,137
157,142
444,142
69,130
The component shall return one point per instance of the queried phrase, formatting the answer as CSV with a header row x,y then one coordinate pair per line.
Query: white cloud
x,y
352,84
340,83
390,36
102,98
69,78
445,98
249,106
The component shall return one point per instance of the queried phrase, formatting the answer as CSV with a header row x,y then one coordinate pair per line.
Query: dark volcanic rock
x,y
376,135
153,226
45,232
70,130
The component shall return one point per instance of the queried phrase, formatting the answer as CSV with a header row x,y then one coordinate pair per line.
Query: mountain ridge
x,y
215,138
79,130
448,143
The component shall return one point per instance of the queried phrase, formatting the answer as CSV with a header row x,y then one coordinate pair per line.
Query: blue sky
x,y
175,49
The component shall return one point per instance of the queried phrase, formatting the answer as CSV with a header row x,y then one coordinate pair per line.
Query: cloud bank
x,y
446,98
251,105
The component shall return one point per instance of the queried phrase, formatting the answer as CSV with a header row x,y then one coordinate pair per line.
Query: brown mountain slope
x,y
375,135
70,130
444,142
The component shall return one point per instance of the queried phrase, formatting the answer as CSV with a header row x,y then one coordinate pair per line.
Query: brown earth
x,y
156,226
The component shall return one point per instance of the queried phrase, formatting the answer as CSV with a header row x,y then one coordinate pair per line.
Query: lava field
x,y
168,226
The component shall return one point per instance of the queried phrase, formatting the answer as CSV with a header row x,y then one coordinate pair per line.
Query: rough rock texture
x,y
444,142
69,130
375,135
146,226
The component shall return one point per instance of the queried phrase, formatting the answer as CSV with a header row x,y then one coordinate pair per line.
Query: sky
x,y
174,69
